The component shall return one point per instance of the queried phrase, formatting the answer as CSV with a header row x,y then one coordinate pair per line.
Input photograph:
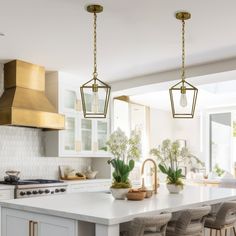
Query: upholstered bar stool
x,y
188,222
223,219
151,226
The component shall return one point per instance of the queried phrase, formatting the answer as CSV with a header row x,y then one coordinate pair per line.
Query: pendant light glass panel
x,y
183,100
95,100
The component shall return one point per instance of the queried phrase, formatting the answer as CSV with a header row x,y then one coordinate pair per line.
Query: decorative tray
x,y
68,173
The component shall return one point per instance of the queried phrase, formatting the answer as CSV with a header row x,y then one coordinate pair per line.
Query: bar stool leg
x,y
226,232
234,231
220,233
210,232
216,232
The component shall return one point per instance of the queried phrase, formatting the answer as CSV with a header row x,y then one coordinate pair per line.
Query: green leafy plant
x,y
218,170
124,150
121,173
174,176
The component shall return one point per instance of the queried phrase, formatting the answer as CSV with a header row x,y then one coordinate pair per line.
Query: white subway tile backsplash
x,y
22,149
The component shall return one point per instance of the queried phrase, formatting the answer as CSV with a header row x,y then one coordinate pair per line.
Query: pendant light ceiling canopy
x,y
95,94
183,95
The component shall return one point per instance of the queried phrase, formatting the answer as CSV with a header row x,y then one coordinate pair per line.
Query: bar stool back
x,y
223,219
189,222
151,226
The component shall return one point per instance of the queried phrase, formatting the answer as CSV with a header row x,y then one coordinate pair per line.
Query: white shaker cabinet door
x,y
55,226
13,225
22,223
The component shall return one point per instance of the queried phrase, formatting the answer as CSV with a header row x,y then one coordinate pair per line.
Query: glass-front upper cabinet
x,y
86,135
93,135
70,134
102,134
81,137
71,101
70,143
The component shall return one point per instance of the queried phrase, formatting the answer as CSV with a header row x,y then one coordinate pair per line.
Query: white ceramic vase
x,y
119,193
173,188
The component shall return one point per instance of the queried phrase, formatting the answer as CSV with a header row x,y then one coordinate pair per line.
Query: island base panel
x,y
107,230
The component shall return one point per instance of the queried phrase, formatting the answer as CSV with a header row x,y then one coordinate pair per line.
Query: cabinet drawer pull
x,y
30,227
35,228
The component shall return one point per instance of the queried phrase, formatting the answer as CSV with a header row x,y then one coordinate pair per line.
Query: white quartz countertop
x,y
6,187
101,208
88,181
217,181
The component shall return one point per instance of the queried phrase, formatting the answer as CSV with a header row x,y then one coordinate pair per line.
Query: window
x,y
220,141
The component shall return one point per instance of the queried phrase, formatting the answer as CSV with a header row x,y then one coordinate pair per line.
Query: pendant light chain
x,y
183,50
95,74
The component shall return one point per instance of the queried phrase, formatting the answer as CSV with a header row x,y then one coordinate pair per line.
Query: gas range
x,y
37,187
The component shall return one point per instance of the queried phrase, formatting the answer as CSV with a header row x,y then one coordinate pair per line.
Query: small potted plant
x,y
124,152
121,183
169,155
174,178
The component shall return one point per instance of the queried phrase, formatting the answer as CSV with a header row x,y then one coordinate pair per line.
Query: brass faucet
x,y
156,185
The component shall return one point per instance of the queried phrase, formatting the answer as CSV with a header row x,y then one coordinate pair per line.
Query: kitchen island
x,y
89,214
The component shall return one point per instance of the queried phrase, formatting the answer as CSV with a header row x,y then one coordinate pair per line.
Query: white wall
x,y
163,126
190,130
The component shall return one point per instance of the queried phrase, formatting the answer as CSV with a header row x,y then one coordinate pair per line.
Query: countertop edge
x,y
105,221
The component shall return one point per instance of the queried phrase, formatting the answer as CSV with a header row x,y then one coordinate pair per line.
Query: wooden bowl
x,y
136,196
148,192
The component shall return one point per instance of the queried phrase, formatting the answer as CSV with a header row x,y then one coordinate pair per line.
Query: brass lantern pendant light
x,y
95,94
183,95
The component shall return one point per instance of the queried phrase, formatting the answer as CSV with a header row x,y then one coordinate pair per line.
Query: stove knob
x,y
57,190
41,191
62,190
28,193
47,191
35,192
22,193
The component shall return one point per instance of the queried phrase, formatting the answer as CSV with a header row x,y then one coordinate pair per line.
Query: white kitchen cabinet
x,y
22,223
69,139
81,137
93,135
102,132
86,135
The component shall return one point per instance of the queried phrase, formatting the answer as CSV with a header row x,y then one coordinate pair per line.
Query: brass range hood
x,y
23,102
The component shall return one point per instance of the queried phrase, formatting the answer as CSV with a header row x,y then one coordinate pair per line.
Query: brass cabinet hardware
x,y
35,228
30,227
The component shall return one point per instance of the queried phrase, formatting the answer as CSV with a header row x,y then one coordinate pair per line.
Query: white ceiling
x,y
135,37
215,95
